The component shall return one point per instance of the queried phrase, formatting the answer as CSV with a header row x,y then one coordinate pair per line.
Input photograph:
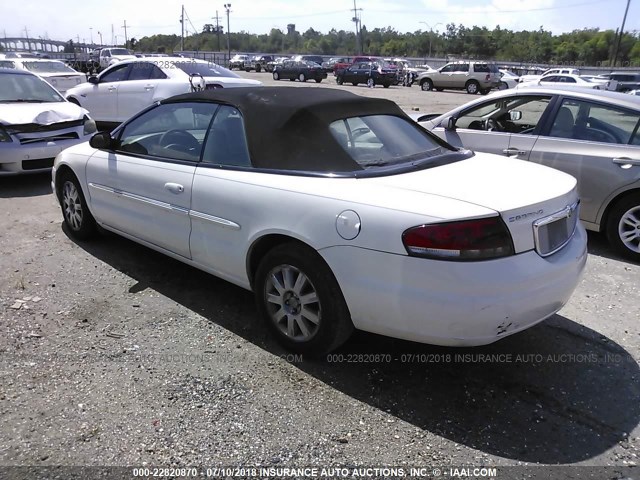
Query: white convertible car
x,y
338,212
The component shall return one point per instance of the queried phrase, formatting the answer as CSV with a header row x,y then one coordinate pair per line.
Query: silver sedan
x,y
591,134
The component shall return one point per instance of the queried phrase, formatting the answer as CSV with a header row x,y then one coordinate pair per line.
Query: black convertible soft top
x,y
288,127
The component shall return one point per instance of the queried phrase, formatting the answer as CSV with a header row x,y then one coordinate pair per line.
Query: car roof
x,y
286,128
617,98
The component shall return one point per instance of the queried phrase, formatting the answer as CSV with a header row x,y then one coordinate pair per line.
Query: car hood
x,y
499,183
40,113
123,57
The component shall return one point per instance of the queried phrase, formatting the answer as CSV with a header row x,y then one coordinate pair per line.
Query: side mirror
x,y
102,141
515,115
449,123
93,79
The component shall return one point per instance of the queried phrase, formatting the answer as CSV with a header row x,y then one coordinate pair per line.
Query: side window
x,y
583,120
145,71
567,80
116,74
448,69
227,141
172,131
462,67
513,115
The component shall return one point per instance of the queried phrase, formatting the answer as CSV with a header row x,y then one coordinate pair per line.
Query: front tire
x,y
339,80
318,80
302,78
276,76
258,68
76,214
301,301
623,227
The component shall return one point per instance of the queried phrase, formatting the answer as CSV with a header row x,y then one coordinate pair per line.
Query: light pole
x,y
91,30
227,7
430,33
100,33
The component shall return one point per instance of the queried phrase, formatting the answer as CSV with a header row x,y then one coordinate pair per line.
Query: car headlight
x,y
89,126
4,136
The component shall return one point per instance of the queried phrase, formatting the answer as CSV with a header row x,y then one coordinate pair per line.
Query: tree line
x,y
589,46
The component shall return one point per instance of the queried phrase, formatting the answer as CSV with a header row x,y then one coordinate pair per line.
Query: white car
x,y
562,80
111,56
54,72
551,71
338,212
36,123
508,80
132,85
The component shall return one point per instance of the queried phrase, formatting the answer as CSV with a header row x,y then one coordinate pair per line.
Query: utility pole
x,y
227,7
112,35
91,30
126,39
182,29
26,32
624,19
358,33
100,33
218,29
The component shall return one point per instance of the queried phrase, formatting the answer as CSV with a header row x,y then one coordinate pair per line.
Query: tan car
x,y
593,135
474,77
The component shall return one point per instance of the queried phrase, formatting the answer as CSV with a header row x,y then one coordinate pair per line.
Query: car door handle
x,y
148,87
111,89
514,151
174,187
626,162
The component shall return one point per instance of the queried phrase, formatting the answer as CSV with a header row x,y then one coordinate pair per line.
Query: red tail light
x,y
480,239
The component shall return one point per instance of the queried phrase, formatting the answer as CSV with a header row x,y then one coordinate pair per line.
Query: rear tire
x,y
386,85
258,68
77,217
318,80
339,80
623,227
472,87
300,300
426,85
302,78
276,76
355,84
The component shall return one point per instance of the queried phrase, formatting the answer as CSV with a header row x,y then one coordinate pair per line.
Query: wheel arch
x,y
262,245
620,196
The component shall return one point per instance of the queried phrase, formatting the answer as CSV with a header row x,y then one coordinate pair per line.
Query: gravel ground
x,y
112,354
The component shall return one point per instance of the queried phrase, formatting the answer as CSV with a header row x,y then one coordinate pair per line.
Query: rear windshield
x,y
383,140
47,67
206,69
119,51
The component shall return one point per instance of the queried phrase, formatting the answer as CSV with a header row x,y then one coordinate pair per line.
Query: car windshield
x,y
48,67
206,69
381,140
120,51
26,88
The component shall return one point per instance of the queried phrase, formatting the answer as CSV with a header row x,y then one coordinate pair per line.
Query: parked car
x,y
407,70
508,79
132,85
338,212
563,80
239,61
270,66
309,58
369,73
625,81
549,71
590,134
36,123
54,72
259,62
299,70
474,77
111,56
336,63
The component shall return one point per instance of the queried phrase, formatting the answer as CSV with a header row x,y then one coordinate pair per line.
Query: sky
x,y
85,20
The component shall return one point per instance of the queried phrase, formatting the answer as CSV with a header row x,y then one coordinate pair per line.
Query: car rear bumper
x,y
455,303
